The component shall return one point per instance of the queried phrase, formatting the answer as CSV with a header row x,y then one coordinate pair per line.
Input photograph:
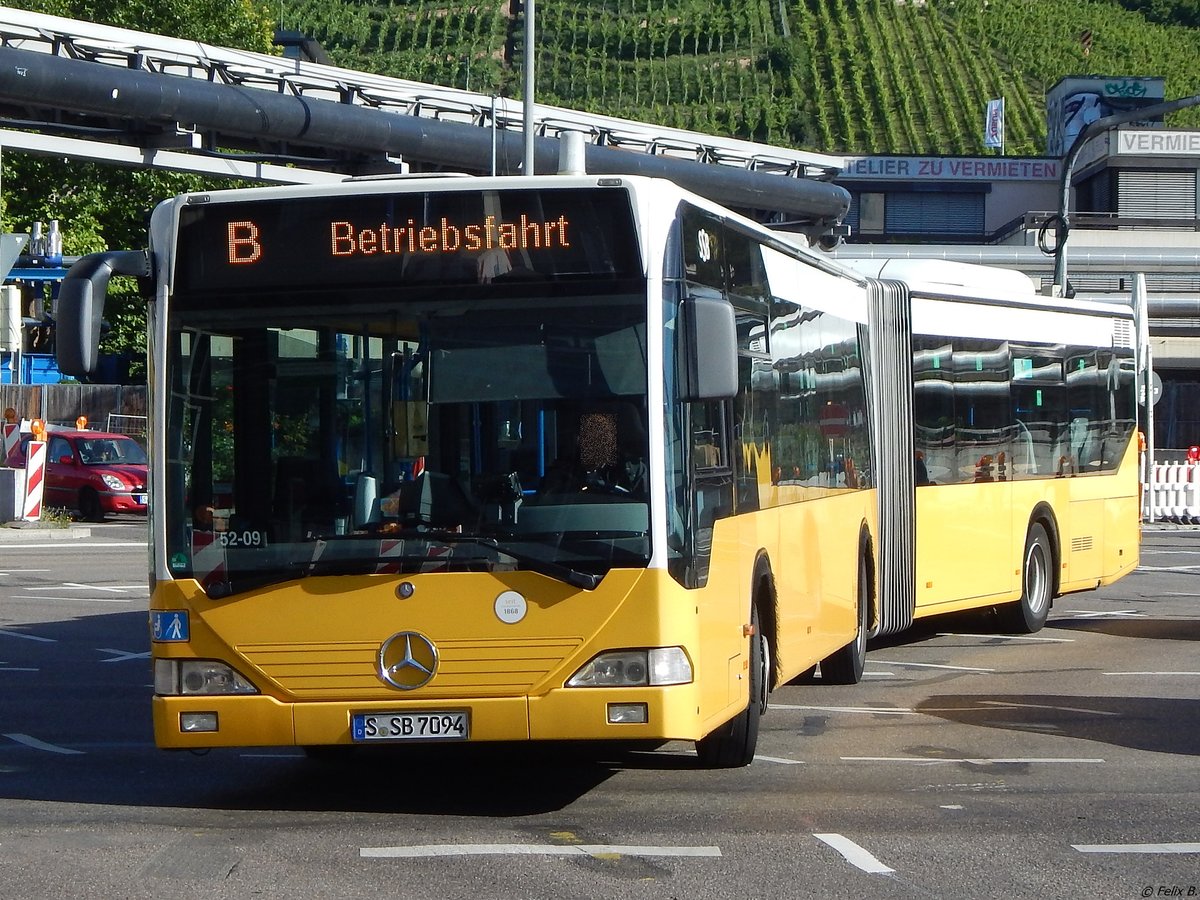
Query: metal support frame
x,y
290,76
100,151
1059,285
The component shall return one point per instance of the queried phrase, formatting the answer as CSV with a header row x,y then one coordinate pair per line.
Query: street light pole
x,y
1064,201
528,88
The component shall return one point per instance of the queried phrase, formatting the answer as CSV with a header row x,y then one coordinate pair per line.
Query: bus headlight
x,y
197,677
634,668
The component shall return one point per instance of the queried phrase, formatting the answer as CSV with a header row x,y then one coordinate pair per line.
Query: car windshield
x,y
110,451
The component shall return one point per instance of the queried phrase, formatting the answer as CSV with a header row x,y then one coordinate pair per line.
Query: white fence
x,y
1173,494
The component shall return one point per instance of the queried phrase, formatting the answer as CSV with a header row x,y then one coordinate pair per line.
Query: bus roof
x,y
940,277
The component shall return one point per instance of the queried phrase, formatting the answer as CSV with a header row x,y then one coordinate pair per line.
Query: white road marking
x,y
854,854
1150,673
431,850
884,710
1114,614
917,665
934,761
1008,637
1168,568
76,586
123,655
952,806
1090,712
782,760
42,745
5,667
22,572
73,544
1138,848
28,637
80,599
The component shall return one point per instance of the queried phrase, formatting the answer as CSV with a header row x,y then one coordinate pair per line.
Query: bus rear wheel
x,y
732,745
845,666
1029,613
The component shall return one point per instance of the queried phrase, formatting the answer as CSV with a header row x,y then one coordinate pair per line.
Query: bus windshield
x,y
390,427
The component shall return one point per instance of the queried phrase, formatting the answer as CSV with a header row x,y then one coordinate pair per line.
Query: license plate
x,y
428,725
139,499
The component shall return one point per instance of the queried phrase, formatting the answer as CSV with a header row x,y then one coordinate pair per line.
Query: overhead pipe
x,y
55,82
1030,259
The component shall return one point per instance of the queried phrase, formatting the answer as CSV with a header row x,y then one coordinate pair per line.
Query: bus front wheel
x,y
1029,613
732,745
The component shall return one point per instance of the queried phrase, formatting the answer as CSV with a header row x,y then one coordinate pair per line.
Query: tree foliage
x,y
101,207
1167,12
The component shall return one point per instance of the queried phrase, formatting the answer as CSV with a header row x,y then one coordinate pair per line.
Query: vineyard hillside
x,y
836,76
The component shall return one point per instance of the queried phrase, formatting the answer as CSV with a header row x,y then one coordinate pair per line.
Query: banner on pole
x,y
993,124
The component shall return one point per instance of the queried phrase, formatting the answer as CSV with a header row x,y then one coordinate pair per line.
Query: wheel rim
x,y
861,638
764,671
1037,595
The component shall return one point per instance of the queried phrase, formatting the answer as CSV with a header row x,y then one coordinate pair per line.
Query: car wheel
x,y
89,505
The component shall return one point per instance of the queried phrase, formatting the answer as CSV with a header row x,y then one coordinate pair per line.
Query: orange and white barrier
x,y
390,549
1173,494
12,435
35,480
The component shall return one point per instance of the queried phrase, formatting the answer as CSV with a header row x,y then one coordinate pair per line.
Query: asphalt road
x,y
968,764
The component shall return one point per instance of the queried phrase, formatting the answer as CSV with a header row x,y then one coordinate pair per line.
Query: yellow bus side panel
x,y
812,546
971,537
1101,542
964,545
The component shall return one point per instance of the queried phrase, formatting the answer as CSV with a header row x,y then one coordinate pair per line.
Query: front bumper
x,y
561,715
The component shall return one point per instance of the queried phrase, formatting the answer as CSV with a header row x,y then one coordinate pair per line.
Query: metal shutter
x,y
1156,195
929,212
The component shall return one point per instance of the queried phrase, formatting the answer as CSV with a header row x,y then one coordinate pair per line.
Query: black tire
x,y
89,505
732,745
845,666
1028,614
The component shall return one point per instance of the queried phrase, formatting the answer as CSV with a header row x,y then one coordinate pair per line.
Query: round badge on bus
x,y
511,607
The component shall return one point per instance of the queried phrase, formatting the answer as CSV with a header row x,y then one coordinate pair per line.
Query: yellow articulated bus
x,y
1023,421
582,458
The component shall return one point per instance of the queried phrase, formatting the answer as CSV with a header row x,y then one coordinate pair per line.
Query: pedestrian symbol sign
x,y
171,625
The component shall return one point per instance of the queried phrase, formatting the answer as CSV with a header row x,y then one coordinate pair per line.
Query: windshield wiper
x,y
586,580
239,584
219,590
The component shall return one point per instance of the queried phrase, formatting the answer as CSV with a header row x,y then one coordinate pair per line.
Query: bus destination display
x,y
414,238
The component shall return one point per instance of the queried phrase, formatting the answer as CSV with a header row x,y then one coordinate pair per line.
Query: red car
x,y
92,471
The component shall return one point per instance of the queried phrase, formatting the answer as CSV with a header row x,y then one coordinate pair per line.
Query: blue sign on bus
x,y
171,625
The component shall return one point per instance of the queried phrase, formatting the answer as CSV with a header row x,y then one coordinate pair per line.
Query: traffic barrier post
x,y
35,478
